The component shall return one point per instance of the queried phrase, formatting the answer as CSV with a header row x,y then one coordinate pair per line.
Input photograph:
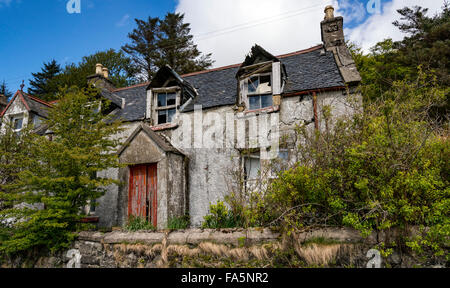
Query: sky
x,y
33,32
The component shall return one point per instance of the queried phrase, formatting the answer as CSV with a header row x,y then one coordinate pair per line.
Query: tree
x,y
155,43
143,49
42,85
4,90
60,178
120,70
427,42
177,48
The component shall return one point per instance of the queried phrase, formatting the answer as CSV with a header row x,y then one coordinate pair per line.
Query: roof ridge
x,y
38,100
131,87
317,47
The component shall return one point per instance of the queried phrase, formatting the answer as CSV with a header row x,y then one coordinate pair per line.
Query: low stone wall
x,y
331,247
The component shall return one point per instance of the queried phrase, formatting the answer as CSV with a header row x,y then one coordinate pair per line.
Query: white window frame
x,y
156,109
17,117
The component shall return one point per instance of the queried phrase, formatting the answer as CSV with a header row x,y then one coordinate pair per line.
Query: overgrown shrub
x,y
385,168
221,217
178,223
139,224
45,198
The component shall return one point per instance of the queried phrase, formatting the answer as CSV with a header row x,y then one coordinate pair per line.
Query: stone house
x,y
186,135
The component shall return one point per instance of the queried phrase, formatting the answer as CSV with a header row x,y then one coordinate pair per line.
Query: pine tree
x,y
120,70
177,48
42,86
155,43
143,49
4,90
59,173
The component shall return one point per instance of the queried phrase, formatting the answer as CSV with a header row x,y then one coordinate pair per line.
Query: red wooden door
x,y
142,198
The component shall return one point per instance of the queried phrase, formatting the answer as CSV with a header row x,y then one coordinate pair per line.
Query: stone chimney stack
x,y
105,72
334,41
101,78
99,69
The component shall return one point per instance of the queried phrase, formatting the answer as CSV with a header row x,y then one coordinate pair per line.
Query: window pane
x,y
252,167
162,100
254,102
266,79
18,123
253,84
171,99
172,113
162,117
266,101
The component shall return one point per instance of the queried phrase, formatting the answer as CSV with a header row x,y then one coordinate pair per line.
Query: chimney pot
x,y
329,12
105,72
99,69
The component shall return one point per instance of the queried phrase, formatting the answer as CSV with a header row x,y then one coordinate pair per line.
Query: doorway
x,y
142,198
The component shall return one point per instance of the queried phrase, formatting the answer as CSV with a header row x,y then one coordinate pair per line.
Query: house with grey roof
x,y
191,140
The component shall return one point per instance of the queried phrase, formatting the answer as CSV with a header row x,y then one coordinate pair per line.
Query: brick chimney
x,y
334,41
101,78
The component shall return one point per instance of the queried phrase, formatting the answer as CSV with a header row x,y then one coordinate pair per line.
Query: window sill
x,y
166,126
270,109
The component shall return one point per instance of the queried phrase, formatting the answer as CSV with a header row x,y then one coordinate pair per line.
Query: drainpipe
x,y
316,116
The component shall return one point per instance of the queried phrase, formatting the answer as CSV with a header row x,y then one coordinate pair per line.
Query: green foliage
x,y
221,217
426,44
139,224
4,90
55,182
178,223
46,84
384,168
158,42
42,85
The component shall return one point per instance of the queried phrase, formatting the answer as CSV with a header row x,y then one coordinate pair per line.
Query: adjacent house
x,y
186,137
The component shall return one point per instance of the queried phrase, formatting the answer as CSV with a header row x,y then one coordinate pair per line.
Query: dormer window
x,y
259,91
166,107
17,123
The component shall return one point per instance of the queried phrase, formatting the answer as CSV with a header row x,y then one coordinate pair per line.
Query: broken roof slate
x,y
308,69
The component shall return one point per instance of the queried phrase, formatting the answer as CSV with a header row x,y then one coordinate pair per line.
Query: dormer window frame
x,y
271,68
157,108
15,118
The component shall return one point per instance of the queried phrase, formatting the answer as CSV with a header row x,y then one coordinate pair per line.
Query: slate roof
x,y
135,103
31,103
37,106
159,140
308,69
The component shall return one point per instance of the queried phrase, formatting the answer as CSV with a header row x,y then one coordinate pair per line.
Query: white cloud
x,y
285,26
379,26
228,29
123,21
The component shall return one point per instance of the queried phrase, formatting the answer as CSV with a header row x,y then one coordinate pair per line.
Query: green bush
x,y
221,217
179,223
138,224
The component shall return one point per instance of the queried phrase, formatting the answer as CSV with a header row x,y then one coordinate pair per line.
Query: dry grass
x,y
215,249
320,255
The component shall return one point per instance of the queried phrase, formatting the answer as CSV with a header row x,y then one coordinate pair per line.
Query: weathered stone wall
x,y
330,247
210,170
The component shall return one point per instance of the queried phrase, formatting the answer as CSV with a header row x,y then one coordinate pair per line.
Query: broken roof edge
x,y
158,140
303,51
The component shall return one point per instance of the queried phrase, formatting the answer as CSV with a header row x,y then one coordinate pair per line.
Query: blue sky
x,y
33,32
